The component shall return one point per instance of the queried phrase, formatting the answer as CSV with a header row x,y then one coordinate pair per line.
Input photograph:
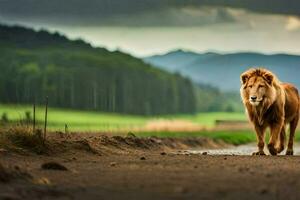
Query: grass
x,y
99,121
236,137
208,119
23,138
231,137
18,138
76,120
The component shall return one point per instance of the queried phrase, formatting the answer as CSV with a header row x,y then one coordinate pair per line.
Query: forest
x,y
73,74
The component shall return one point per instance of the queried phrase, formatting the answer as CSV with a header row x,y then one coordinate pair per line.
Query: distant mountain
x,y
223,70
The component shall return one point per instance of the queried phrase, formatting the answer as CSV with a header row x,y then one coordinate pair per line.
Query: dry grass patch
x,y
20,138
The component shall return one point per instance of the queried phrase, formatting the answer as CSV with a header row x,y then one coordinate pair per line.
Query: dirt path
x,y
153,174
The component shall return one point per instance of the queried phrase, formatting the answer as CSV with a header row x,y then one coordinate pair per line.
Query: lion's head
x,y
258,87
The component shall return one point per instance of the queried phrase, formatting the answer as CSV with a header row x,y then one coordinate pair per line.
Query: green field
x,y
99,121
231,137
107,122
208,119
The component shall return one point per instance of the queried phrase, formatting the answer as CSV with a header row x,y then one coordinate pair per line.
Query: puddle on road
x,y
238,150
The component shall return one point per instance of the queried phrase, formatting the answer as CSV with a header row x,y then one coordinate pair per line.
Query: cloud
x,y
293,24
282,7
139,12
102,13
186,17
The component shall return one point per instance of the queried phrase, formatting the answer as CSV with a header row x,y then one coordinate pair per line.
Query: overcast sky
x,y
147,27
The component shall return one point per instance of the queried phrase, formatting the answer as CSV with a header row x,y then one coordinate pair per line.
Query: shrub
x,y
20,137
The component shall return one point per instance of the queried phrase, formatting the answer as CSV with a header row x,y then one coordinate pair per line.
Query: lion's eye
x,y
260,86
250,86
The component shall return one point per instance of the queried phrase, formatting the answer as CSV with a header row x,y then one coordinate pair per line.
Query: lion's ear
x,y
244,78
269,77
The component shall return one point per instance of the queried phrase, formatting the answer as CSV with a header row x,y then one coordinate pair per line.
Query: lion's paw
x,y
272,150
289,152
280,149
259,153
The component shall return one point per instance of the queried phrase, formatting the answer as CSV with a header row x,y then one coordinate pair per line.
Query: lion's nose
x,y
253,98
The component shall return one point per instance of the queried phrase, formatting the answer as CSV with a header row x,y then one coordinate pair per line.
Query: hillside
x,y
36,64
210,68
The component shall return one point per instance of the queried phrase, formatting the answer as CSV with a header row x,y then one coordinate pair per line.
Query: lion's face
x,y
257,89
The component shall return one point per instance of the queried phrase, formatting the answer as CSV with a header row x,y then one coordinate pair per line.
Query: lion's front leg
x,y
260,134
276,128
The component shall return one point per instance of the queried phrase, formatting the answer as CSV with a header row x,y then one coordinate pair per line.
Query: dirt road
x,y
151,173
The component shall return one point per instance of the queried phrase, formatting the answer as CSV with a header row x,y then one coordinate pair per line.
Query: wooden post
x,y
66,129
46,116
34,117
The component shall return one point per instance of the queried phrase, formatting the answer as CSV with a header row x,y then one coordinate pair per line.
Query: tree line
x,y
75,75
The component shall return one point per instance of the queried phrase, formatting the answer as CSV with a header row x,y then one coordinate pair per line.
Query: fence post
x,y
46,117
66,129
33,117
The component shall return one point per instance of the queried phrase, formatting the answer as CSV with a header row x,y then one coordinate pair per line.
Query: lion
x,y
270,104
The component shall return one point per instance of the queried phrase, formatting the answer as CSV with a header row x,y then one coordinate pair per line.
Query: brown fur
x,y
275,105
